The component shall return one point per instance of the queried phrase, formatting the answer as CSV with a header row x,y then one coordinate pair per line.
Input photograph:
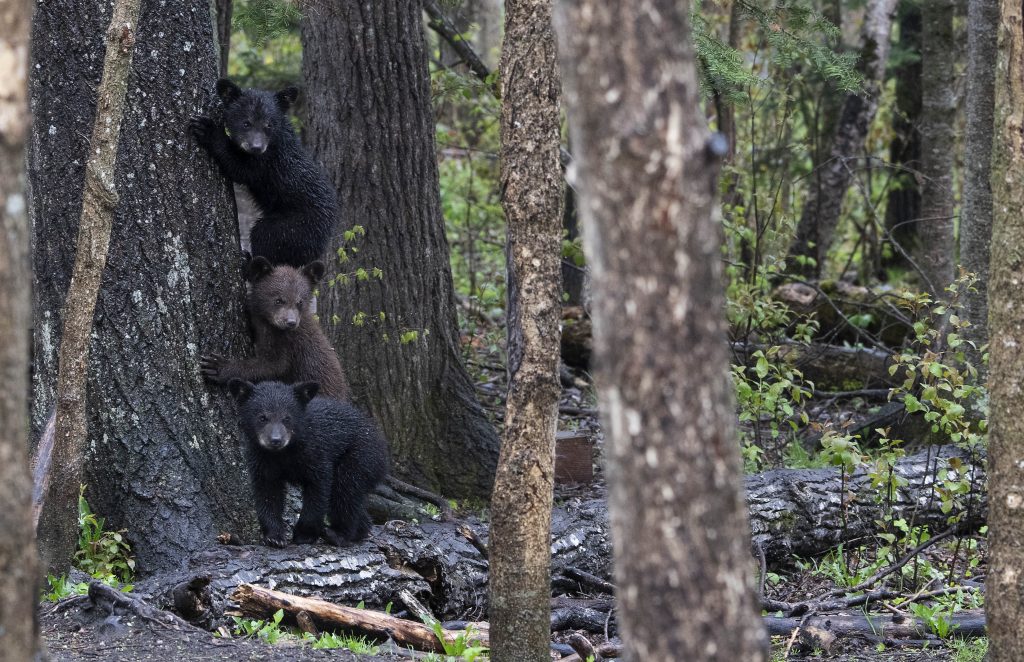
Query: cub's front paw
x,y
305,537
275,540
203,130
211,366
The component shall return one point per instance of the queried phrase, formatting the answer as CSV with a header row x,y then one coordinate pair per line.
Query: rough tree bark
x,y
976,212
646,174
58,522
370,122
934,255
1004,602
821,211
904,202
19,579
224,12
162,458
531,182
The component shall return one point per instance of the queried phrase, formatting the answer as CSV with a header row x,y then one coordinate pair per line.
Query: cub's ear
x,y
240,390
314,271
286,97
258,268
228,91
306,391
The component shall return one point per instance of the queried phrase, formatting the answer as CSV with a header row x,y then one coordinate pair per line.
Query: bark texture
x,y
162,459
935,251
370,122
58,522
820,215
1004,601
531,182
976,212
19,577
646,176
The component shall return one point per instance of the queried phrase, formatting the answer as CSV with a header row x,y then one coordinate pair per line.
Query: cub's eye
x,y
279,302
300,303
287,419
263,418
246,125
267,125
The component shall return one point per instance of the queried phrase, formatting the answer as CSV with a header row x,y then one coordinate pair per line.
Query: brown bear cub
x,y
330,449
290,345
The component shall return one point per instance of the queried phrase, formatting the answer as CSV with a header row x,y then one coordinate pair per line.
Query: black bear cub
x,y
256,146
290,345
327,447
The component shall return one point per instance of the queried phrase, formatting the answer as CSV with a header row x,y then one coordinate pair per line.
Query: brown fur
x,y
290,345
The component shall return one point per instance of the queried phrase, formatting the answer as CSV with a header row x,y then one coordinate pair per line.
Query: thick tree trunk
x,y
162,458
647,179
935,251
531,181
19,579
370,122
224,12
58,523
1004,601
824,203
976,213
903,207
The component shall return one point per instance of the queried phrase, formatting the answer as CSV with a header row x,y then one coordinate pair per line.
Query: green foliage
x,y
62,587
269,631
938,618
466,646
104,555
974,650
262,21
330,640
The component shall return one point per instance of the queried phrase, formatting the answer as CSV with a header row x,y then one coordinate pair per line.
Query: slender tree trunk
x,y
976,214
903,207
935,254
161,456
370,122
821,211
647,179
58,522
531,179
1004,602
19,578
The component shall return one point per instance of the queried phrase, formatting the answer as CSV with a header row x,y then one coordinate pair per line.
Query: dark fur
x,y
290,345
298,201
331,450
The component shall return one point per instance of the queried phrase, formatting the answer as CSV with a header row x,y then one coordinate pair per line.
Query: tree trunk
x,y
935,252
531,181
162,458
224,12
19,578
824,203
370,122
976,212
646,180
903,207
58,523
1004,602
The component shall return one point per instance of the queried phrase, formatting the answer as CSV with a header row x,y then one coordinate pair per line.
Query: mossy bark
x,y
646,175
531,182
1004,601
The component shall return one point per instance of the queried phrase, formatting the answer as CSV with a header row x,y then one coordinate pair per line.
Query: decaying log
x,y
831,367
261,602
834,303
881,627
806,512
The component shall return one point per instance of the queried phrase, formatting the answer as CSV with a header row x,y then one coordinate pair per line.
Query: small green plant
x,y
465,647
61,587
937,617
104,555
969,651
268,631
330,640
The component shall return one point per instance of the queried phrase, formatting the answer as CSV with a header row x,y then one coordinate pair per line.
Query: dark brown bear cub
x,y
328,448
290,345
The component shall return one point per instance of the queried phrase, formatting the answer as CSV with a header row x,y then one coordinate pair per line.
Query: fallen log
x,y
792,511
877,627
262,602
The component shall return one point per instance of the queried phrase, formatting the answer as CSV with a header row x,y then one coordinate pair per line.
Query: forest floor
x,y
75,634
